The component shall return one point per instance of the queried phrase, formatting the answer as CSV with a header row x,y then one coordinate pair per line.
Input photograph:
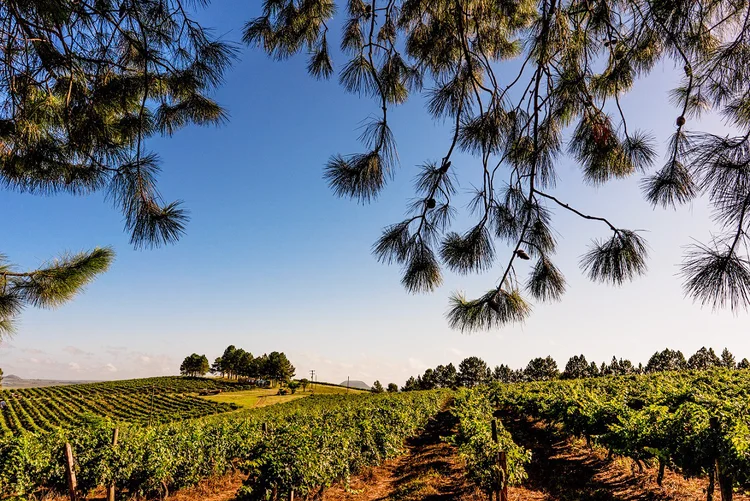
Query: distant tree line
x,y
237,363
474,371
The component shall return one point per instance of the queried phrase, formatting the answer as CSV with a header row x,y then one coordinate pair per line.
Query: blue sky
x,y
273,261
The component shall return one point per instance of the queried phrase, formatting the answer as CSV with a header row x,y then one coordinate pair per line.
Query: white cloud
x,y
110,368
76,351
74,367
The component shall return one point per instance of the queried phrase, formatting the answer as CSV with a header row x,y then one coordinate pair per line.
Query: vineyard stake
x,y
501,489
70,472
504,468
111,487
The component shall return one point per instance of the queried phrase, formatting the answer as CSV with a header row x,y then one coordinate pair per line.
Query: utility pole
x,y
347,384
312,380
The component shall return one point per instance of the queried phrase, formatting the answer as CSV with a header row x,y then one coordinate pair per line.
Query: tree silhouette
x,y
577,59
577,367
667,360
541,369
473,371
194,365
727,359
377,387
704,359
392,388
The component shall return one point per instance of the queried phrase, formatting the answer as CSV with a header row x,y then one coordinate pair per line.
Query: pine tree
x,y
377,387
541,369
576,368
473,371
578,59
704,359
83,87
727,359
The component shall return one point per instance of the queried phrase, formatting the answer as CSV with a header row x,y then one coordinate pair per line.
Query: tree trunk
x,y
726,485
710,488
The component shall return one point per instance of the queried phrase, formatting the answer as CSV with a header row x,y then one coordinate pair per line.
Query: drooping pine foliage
x,y
83,85
578,57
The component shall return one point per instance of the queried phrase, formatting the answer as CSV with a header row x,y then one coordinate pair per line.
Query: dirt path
x,y
429,471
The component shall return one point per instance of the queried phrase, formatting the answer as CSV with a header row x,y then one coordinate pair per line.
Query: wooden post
x,y
70,472
111,487
497,489
503,459
291,495
501,490
265,428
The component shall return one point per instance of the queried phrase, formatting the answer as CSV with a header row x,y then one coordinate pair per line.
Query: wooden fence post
x,y
111,487
501,489
503,460
70,472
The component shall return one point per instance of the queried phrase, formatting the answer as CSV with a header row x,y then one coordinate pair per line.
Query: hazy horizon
x,y
273,261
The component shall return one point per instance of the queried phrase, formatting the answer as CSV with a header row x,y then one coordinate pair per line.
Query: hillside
x,y
360,385
12,381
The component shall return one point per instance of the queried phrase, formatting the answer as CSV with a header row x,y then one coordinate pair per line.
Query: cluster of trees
x,y
194,365
474,371
235,363
377,387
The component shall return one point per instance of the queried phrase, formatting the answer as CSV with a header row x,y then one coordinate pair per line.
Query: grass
x,y
262,397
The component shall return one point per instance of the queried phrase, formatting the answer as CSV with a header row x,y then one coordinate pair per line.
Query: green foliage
x,y
541,369
83,87
473,371
49,286
377,387
311,443
474,413
576,61
194,365
690,420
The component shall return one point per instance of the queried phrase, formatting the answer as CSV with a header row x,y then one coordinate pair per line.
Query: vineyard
x,y
142,401
697,423
303,446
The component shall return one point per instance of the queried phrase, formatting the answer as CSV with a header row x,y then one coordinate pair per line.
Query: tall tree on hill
x,y
666,360
83,86
473,371
218,367
727,359
194,365
578,59
704,359
377,387
279,367
392,388
744,364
